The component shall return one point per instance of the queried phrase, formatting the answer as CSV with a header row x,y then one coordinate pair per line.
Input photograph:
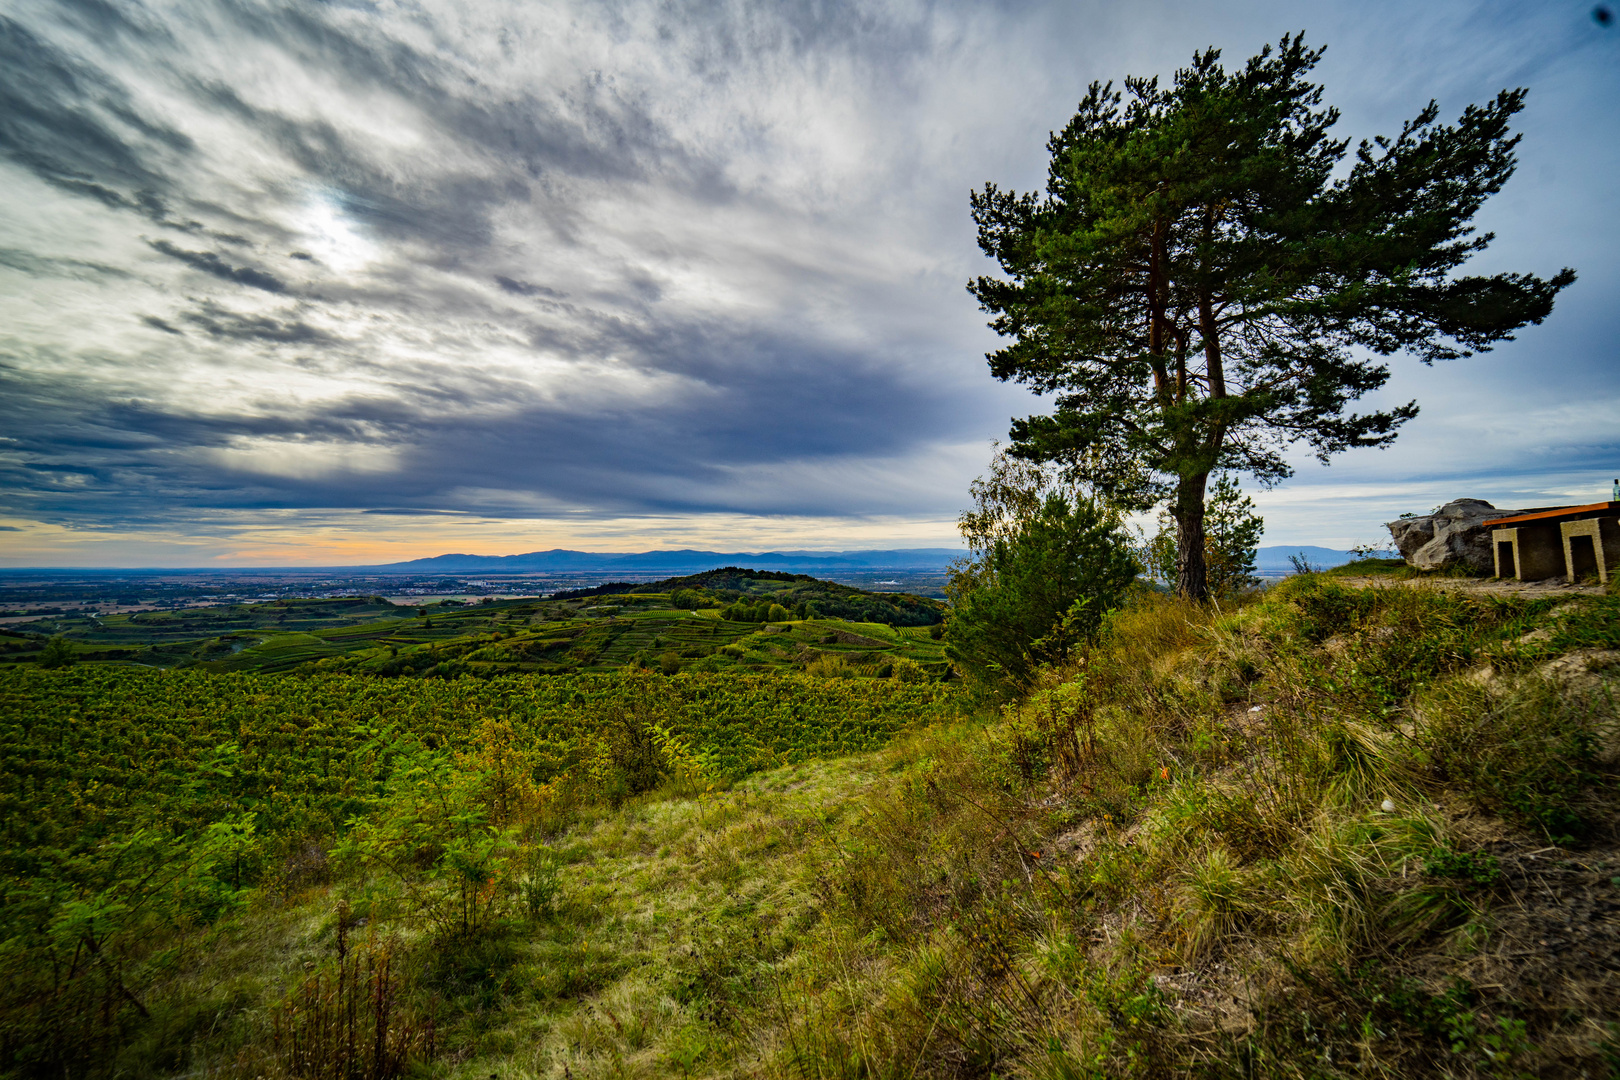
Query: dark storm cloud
x,y
158,324
71,125
525,288
119,457
147,423
45,266
741,395
220,322
591,131
210,263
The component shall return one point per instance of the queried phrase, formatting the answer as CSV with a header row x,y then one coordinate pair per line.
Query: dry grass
x,y
1225,842
1295,837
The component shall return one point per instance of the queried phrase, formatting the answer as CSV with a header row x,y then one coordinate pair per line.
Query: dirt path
x,y
1493,586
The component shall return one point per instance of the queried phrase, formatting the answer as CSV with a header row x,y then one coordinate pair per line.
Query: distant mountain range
x,y
1273,560
674,562
1270,560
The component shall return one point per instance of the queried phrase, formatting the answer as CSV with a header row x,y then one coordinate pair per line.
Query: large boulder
x,y
1452,536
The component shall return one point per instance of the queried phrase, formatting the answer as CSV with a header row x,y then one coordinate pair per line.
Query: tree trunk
x,y
1192,582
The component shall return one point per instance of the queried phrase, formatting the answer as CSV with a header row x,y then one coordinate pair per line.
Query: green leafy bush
x,y
1037,592
57,653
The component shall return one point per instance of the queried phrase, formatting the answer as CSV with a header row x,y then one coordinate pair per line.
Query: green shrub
x,y
906,670
1471,866
438,841
1529,753
57,653
538,886
1037,592
691,599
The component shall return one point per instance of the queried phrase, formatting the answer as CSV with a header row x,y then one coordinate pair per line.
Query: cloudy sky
x,y
350,282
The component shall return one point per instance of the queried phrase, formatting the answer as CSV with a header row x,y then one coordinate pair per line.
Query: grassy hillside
x,y
162,831
1329,832
799,594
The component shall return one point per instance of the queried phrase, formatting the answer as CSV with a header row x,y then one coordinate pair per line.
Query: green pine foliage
x,y
1232,532
1203,284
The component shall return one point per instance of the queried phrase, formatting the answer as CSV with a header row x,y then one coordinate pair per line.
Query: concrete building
x,y
1573,542
1591,548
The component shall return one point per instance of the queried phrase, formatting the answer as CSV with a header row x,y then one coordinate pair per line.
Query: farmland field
x,y
168,775
571,635
90,751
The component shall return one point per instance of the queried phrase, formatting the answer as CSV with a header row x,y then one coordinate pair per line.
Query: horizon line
x,y
399,565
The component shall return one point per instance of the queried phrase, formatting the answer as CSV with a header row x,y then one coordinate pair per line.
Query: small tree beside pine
x,y
1232,533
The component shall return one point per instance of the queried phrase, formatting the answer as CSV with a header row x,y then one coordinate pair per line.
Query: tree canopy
x,y
1202,286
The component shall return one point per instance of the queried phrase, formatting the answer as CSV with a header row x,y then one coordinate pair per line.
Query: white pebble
x,y
1255,709
1388,807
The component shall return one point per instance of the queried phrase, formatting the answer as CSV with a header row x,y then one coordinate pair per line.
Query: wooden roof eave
x,y
1556,515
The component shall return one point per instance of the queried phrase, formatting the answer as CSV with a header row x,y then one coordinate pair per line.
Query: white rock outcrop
x,y
1452,536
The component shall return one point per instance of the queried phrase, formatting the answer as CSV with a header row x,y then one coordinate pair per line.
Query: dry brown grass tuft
x,y
1233,842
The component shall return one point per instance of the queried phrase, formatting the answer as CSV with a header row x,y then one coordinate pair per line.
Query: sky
x,y
325,283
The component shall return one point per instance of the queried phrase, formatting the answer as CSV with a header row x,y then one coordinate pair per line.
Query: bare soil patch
x,y
1489,586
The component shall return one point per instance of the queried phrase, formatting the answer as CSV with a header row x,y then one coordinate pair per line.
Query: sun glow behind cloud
x,y
328,234
300,460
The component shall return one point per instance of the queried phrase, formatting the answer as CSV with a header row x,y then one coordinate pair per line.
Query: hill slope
x,y
800,594
1333,832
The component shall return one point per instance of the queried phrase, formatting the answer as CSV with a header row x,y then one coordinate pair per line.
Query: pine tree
x,y
1232,533
1196,289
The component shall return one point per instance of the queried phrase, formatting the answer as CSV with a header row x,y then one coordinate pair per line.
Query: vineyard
x,y
138,808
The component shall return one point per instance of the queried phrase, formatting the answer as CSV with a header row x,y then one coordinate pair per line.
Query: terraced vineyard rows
x,y
92,751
